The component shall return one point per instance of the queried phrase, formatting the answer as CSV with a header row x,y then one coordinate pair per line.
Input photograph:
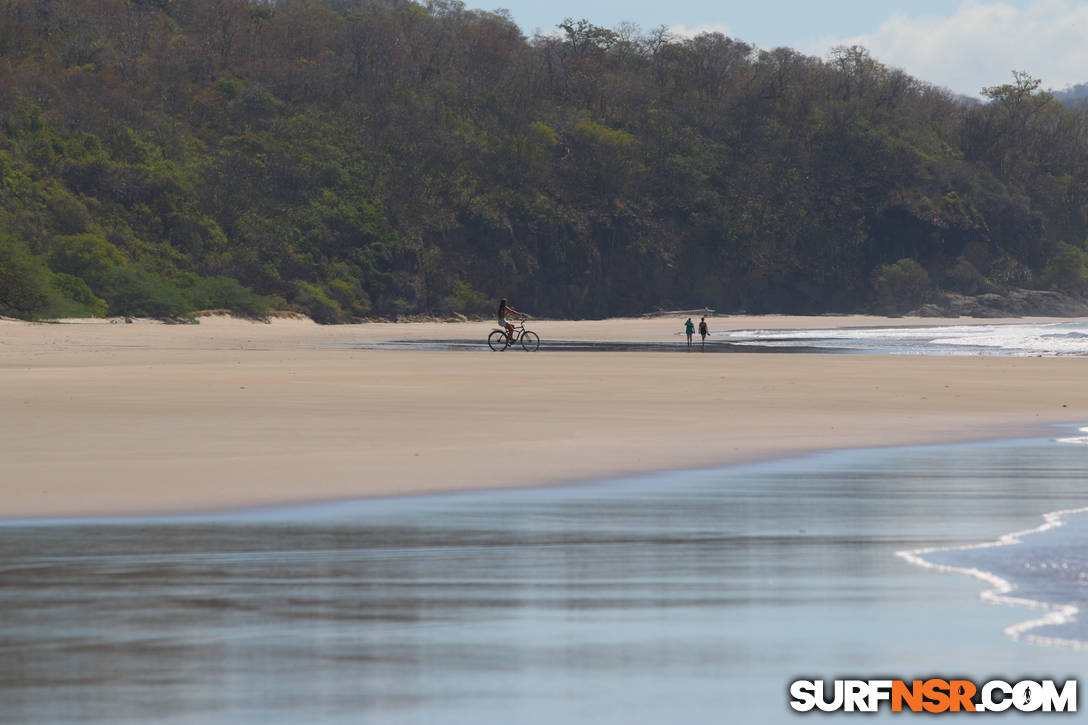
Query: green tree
x,y
901,286
134,292
24,281
1067,270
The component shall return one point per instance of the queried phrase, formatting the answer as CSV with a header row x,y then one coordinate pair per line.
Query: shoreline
x,y
997,589
273,508
144,419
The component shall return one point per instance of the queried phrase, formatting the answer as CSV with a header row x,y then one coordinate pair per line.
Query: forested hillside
x,y
353,158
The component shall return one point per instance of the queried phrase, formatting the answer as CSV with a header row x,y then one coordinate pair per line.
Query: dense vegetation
x,y
378,157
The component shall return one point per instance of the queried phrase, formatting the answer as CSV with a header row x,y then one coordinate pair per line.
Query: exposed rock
x,y
929,310
1012,303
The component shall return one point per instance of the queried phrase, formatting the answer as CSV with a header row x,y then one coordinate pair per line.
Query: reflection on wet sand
x,y
695,596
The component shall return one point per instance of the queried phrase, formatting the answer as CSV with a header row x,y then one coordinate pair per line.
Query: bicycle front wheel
x,y
530,341
497,340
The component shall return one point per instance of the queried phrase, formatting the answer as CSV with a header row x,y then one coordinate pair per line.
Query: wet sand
x,y
106,418
690,597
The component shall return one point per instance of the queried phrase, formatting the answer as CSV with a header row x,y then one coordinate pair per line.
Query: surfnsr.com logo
x,y
933,695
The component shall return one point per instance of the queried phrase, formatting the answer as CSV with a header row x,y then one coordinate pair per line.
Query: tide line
x,y
1000,588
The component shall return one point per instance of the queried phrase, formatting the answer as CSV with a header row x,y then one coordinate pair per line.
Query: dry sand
x,y
103,418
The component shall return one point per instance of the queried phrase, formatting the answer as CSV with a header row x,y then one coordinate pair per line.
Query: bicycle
x,y
498,341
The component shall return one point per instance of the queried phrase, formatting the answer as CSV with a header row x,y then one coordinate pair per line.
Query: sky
x,y
962,45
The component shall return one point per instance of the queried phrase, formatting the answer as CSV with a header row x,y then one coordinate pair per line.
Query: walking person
x,y
689,328
703,332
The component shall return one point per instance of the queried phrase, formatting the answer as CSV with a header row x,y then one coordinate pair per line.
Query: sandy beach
x,y
103,419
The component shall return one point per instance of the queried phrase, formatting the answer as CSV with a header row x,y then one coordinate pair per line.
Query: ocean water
x,y
1049,339
690,597
1043,568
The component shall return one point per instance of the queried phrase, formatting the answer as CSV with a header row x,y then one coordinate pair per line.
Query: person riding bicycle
x,y
504,310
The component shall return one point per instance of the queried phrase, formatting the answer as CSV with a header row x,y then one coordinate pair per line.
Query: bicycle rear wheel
x,y
497,340
530,341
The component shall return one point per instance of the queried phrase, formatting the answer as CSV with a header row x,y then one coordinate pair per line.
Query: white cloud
x,y
686,31
982,43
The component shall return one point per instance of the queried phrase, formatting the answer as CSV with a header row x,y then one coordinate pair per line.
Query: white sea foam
x,y
1002,590
1048,339
1076,440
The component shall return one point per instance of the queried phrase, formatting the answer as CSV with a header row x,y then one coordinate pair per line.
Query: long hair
x,y
502,307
